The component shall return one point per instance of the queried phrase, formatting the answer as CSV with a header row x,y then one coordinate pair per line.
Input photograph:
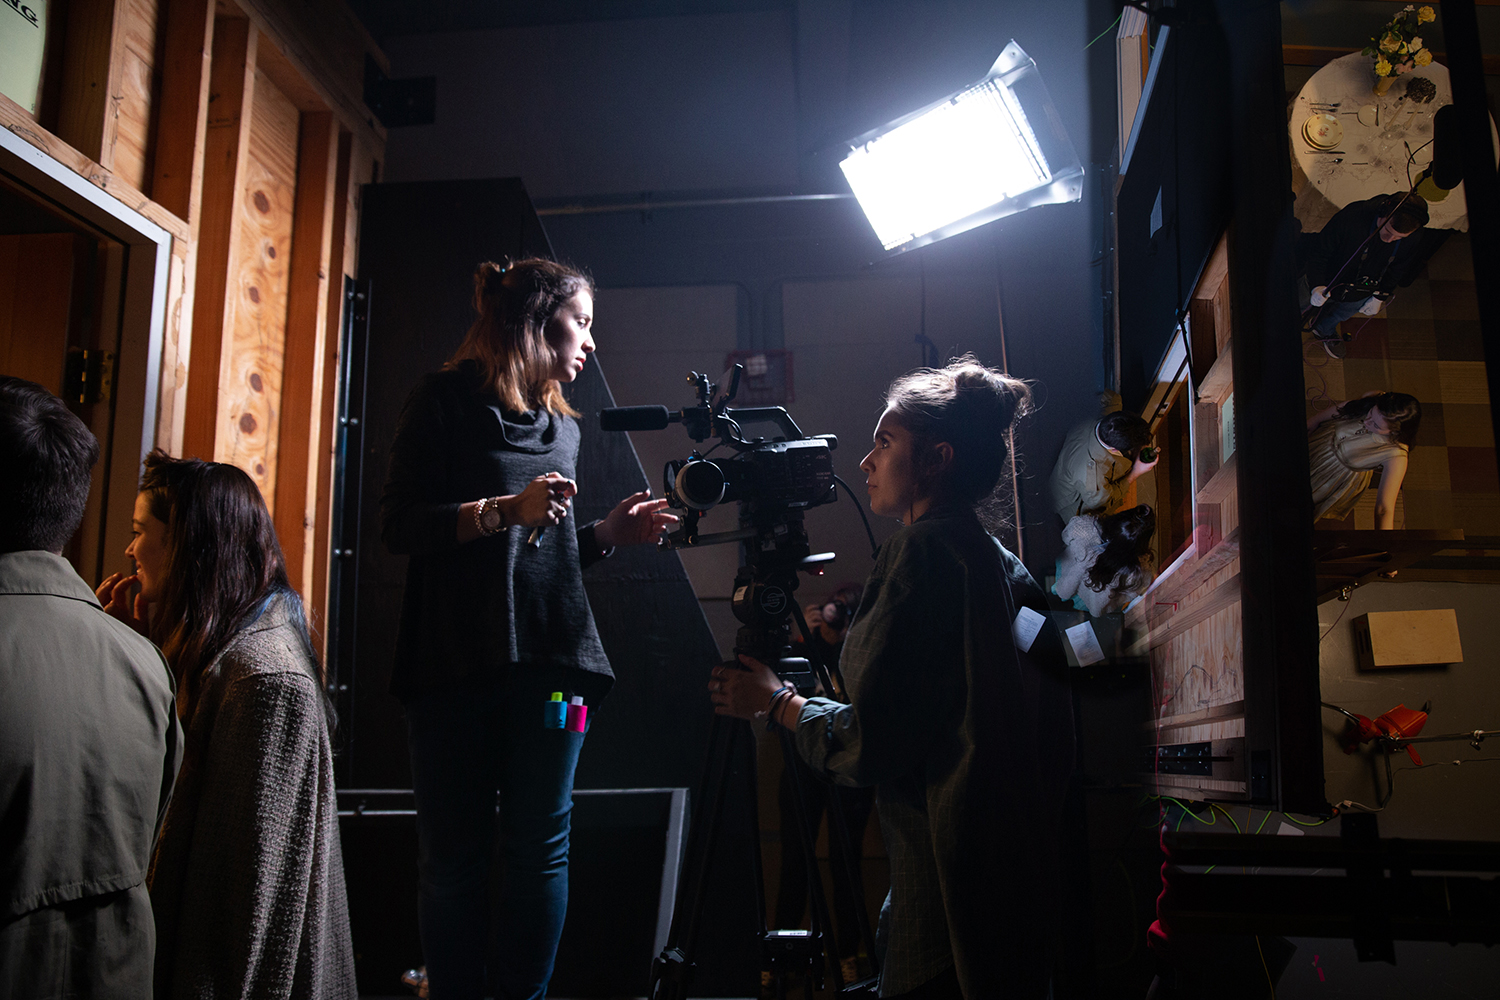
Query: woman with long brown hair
x,y
495,621
247,882
1347,443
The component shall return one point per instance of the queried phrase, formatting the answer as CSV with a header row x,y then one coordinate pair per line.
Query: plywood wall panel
x,y
1201,669
226,149
176,349
38,273
133,105
182,117
250,376
302,382
85,112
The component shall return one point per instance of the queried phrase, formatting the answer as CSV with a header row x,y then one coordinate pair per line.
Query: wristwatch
x,y
489,517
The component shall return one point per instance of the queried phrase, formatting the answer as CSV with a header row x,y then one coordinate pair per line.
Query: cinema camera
x,y
767,477
772,479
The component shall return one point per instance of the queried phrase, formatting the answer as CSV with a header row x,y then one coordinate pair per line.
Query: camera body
x,y
789,474
772,479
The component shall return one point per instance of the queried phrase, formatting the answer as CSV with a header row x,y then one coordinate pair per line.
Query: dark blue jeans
x,y
467,744
1335,313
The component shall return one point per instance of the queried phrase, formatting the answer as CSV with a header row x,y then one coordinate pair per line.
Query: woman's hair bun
x,y
969,406
994,397
489,277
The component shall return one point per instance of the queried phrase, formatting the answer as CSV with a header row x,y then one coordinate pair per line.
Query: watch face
x,y
491,519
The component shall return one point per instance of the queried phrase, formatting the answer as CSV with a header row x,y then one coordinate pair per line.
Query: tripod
x,y
775,549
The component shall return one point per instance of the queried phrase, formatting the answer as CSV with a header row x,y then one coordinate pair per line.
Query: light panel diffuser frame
x,y
990,150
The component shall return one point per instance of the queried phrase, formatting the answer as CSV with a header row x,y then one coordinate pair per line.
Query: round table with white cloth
x,y
1378,131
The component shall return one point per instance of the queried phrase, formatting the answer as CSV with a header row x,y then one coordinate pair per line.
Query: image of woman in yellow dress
x,y
1347,443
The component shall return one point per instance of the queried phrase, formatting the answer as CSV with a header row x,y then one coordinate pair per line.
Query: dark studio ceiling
x,y
392,18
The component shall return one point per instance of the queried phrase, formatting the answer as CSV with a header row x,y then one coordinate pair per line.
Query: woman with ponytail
x,y
963,727
495,620
247,881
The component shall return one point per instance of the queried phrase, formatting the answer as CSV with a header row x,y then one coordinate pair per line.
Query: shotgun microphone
x,y
636,418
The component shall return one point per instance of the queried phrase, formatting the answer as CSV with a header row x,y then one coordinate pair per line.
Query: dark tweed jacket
x,y
248,879
471,611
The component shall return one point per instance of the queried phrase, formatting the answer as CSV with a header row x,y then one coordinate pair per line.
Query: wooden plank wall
x,y
1189,622
131,127
226,148
36,288
249,396
238,126
303,385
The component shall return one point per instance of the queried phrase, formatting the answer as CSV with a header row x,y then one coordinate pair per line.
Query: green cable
x,y
1215,805
1105,31
1300,823
1212,819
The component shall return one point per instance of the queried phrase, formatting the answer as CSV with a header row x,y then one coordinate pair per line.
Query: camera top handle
x,y
712,417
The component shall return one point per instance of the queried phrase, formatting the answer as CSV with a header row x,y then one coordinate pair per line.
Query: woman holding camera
x,y
495,619
955,727
247,880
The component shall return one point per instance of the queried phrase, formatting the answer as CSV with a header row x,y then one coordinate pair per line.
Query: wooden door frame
x,y
143,315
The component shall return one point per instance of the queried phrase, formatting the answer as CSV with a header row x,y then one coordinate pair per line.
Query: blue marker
x,y
554,712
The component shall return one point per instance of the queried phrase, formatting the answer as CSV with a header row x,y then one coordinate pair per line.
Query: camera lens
x,y
700,484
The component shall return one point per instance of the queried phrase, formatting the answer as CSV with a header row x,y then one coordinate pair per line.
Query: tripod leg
x,y
672,968
807,834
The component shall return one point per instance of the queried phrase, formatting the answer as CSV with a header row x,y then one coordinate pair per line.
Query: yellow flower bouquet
x,y
1398,48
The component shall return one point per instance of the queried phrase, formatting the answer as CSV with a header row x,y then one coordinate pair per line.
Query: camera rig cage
x,y
769,477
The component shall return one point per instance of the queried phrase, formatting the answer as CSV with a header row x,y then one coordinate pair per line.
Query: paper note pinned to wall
x,y
1085,644
1026,627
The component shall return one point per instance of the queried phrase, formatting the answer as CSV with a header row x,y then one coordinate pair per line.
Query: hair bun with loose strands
x,y
971,408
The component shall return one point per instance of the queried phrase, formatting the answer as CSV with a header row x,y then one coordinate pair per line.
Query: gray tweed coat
x,y
248,880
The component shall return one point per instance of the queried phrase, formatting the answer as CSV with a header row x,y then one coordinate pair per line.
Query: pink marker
x,y
578,714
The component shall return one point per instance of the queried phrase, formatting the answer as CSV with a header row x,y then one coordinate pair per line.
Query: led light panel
x,y
964,161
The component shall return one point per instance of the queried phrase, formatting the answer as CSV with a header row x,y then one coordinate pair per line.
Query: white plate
x,y
1369,116
1323,131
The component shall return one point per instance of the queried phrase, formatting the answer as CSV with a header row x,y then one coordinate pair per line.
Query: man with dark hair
x,y
1356,263
1099,459
89,740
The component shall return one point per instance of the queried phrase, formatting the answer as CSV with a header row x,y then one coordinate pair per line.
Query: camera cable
x,y
874,549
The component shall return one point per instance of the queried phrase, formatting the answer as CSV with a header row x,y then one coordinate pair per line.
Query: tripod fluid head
x,y
764,599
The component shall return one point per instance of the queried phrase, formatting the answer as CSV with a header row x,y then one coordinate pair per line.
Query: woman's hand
x,y
744,693
114,595
543,503
635,520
